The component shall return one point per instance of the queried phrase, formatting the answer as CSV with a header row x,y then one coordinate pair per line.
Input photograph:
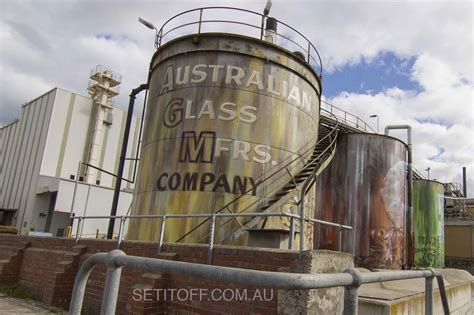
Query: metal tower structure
x,y
103,86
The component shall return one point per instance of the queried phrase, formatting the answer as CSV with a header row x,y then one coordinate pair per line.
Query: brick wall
x,y
47,268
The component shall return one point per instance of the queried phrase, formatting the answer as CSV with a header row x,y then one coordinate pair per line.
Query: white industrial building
x,y
41,151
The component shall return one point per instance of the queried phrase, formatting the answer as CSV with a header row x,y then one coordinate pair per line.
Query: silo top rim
x,y
428,180
294,39
376,134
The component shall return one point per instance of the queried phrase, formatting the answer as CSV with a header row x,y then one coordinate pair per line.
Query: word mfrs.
x,y
206,147
206,182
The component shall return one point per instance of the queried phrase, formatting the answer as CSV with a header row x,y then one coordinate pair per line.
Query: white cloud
x,y
442,117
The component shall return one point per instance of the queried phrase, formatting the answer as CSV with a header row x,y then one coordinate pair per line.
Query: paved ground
x,y
9,305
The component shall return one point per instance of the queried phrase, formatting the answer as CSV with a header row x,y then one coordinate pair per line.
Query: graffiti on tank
x,y
429,250
385,246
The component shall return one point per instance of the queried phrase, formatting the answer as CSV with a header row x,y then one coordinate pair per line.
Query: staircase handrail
x,y
283,169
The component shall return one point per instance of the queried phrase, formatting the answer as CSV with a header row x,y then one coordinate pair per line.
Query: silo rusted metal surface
x,y
365,187
428,223
224,111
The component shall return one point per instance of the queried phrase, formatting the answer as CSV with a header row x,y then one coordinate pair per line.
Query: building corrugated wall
x,y
39,157
22,148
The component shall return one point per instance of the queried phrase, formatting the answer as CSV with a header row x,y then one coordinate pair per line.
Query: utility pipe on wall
x,y
409,215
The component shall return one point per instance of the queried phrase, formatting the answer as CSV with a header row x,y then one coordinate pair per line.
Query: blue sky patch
x,y
114,37
383,72
436,157
441,122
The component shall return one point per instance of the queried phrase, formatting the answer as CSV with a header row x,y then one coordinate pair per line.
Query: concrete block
x,y
320,301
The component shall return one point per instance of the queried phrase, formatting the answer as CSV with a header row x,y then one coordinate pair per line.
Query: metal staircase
x,y
322,153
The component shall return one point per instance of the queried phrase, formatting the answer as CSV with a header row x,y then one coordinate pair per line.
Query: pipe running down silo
x,y
409,215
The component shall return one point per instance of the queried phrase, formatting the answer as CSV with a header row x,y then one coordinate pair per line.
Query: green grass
x,y
16,292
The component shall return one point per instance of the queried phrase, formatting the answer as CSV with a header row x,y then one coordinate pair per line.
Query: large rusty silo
x,y
365,187
224,111
428,223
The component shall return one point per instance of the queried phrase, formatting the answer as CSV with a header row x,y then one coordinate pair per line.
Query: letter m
x,y
197,149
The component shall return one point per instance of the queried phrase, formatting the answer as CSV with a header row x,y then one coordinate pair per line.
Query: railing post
x,y
120,232
200,20
211,239
79,221
351,295
78,173
309,54
302,224
442,293
291,238
112,283
429,293
160,34
162,233
340,238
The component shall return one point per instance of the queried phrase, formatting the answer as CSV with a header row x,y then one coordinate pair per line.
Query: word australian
x,y
235,76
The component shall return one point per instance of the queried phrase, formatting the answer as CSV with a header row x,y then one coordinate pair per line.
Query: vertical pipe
x,y
211,239
142,121
162,233
464,182
429,295
123,154
291,238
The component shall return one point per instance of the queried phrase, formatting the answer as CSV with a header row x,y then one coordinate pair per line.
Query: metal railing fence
x,y
289,34
351,120
212,228
351,279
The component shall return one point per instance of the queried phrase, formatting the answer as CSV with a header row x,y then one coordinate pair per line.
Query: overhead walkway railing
x,y
345,118
247,22
351,279
212,228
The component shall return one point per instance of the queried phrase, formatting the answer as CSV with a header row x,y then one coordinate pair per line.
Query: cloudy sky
x,y
410,62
